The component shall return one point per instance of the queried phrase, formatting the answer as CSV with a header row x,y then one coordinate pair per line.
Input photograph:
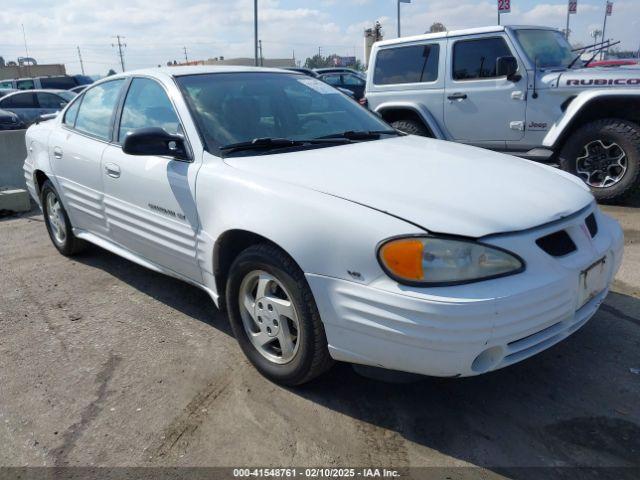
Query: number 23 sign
x,y
504,6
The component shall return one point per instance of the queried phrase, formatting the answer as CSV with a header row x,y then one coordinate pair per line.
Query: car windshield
x,y
548,48
231,108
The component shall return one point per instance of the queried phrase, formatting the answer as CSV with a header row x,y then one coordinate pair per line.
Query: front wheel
x,y
274,317
605,154
411,127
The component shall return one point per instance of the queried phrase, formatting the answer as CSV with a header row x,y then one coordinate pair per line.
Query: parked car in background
x,y
345,81
32,104
340,70
6,91
519,90
325,233
57,82
78,89
10,121
307,71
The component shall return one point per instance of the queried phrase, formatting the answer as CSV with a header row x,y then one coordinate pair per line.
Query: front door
x,y
150,200
481,107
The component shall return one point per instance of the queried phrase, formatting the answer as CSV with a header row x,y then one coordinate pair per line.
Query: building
x,y
22,69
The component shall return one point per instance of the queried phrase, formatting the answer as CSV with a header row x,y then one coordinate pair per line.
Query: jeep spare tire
x,y
605,154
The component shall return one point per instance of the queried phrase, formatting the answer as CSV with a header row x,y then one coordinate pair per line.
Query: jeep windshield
x,y
264,112
546,48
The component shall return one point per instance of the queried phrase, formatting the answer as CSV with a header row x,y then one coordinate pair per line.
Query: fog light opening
x,y
487,360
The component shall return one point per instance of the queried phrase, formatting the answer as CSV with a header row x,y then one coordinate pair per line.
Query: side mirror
x,y
155,141
507,67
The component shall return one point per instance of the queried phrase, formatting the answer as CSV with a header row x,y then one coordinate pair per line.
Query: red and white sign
x,y
504,6
609,8
573,7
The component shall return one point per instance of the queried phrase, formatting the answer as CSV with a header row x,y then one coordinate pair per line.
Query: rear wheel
x,y
605,154
274,317
57,222
412,127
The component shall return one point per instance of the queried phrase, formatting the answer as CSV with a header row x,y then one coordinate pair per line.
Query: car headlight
x,y
437,261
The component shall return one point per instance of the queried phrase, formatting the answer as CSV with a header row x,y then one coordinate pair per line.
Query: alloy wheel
x,y
269,317
602,165
56,218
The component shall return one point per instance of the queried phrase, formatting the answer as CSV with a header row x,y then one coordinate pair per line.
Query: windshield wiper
x,y
360,134
268,143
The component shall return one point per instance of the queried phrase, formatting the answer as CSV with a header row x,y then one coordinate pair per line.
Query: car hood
x,y
600,77
441,186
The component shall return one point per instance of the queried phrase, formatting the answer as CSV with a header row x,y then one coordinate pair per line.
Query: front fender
x,y
562,126
420,110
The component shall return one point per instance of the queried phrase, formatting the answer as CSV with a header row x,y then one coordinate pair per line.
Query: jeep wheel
x,y
606,155
412,127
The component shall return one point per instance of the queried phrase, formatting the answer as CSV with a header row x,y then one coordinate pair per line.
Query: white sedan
x,y
325,234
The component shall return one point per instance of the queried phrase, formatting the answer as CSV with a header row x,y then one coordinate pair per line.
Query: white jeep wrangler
x,y
518,90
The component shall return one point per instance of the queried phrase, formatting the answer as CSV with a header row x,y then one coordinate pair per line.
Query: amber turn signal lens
x,y
404,258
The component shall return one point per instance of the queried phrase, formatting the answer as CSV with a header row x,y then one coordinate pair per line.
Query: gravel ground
x,y
105,363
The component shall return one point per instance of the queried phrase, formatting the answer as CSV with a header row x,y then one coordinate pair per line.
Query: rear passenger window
x,y
49,100
147,105
473,59
96,111
20,100
414,64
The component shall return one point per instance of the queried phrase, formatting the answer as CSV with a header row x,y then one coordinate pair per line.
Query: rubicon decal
x,y
604,81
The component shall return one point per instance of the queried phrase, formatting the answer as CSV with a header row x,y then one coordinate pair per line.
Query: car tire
x,y
605,141
281,285
411,127
57,222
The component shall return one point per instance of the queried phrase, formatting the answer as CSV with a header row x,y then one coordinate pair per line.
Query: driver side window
x,y
147,105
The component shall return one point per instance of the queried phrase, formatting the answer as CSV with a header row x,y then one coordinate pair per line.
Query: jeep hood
x,y
600,78
441,186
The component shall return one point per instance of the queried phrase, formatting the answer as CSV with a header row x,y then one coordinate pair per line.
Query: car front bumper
x,y
471,329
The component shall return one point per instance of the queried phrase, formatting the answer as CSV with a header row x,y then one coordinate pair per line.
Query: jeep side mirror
x,y
155,141
507,67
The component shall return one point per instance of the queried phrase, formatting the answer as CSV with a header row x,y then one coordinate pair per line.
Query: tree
x,y
318,61
111,72
437,27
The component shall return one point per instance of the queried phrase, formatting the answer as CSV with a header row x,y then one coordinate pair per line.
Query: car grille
x,y
557,244
592,225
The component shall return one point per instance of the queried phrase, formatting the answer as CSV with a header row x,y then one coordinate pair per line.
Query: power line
x,y
120,45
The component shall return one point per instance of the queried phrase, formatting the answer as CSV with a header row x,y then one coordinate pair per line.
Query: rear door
x,y
150,200
76,153
481,107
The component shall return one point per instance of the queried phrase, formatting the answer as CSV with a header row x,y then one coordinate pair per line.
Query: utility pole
x,y
186,58
261,57
399,2
607,11
81,62
120,46
26,49
255,29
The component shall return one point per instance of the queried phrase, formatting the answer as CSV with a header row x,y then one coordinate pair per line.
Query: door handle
x,y
57,153
457,96
112,170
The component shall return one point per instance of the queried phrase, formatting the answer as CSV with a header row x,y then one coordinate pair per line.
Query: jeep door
x,y
481,107
150,200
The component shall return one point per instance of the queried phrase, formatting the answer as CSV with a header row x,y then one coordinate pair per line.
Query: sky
x,y
156,31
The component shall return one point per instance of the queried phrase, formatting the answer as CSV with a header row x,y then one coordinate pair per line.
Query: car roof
x,y
460,33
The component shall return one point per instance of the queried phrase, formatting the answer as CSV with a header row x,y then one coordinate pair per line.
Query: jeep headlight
x,y
438,261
